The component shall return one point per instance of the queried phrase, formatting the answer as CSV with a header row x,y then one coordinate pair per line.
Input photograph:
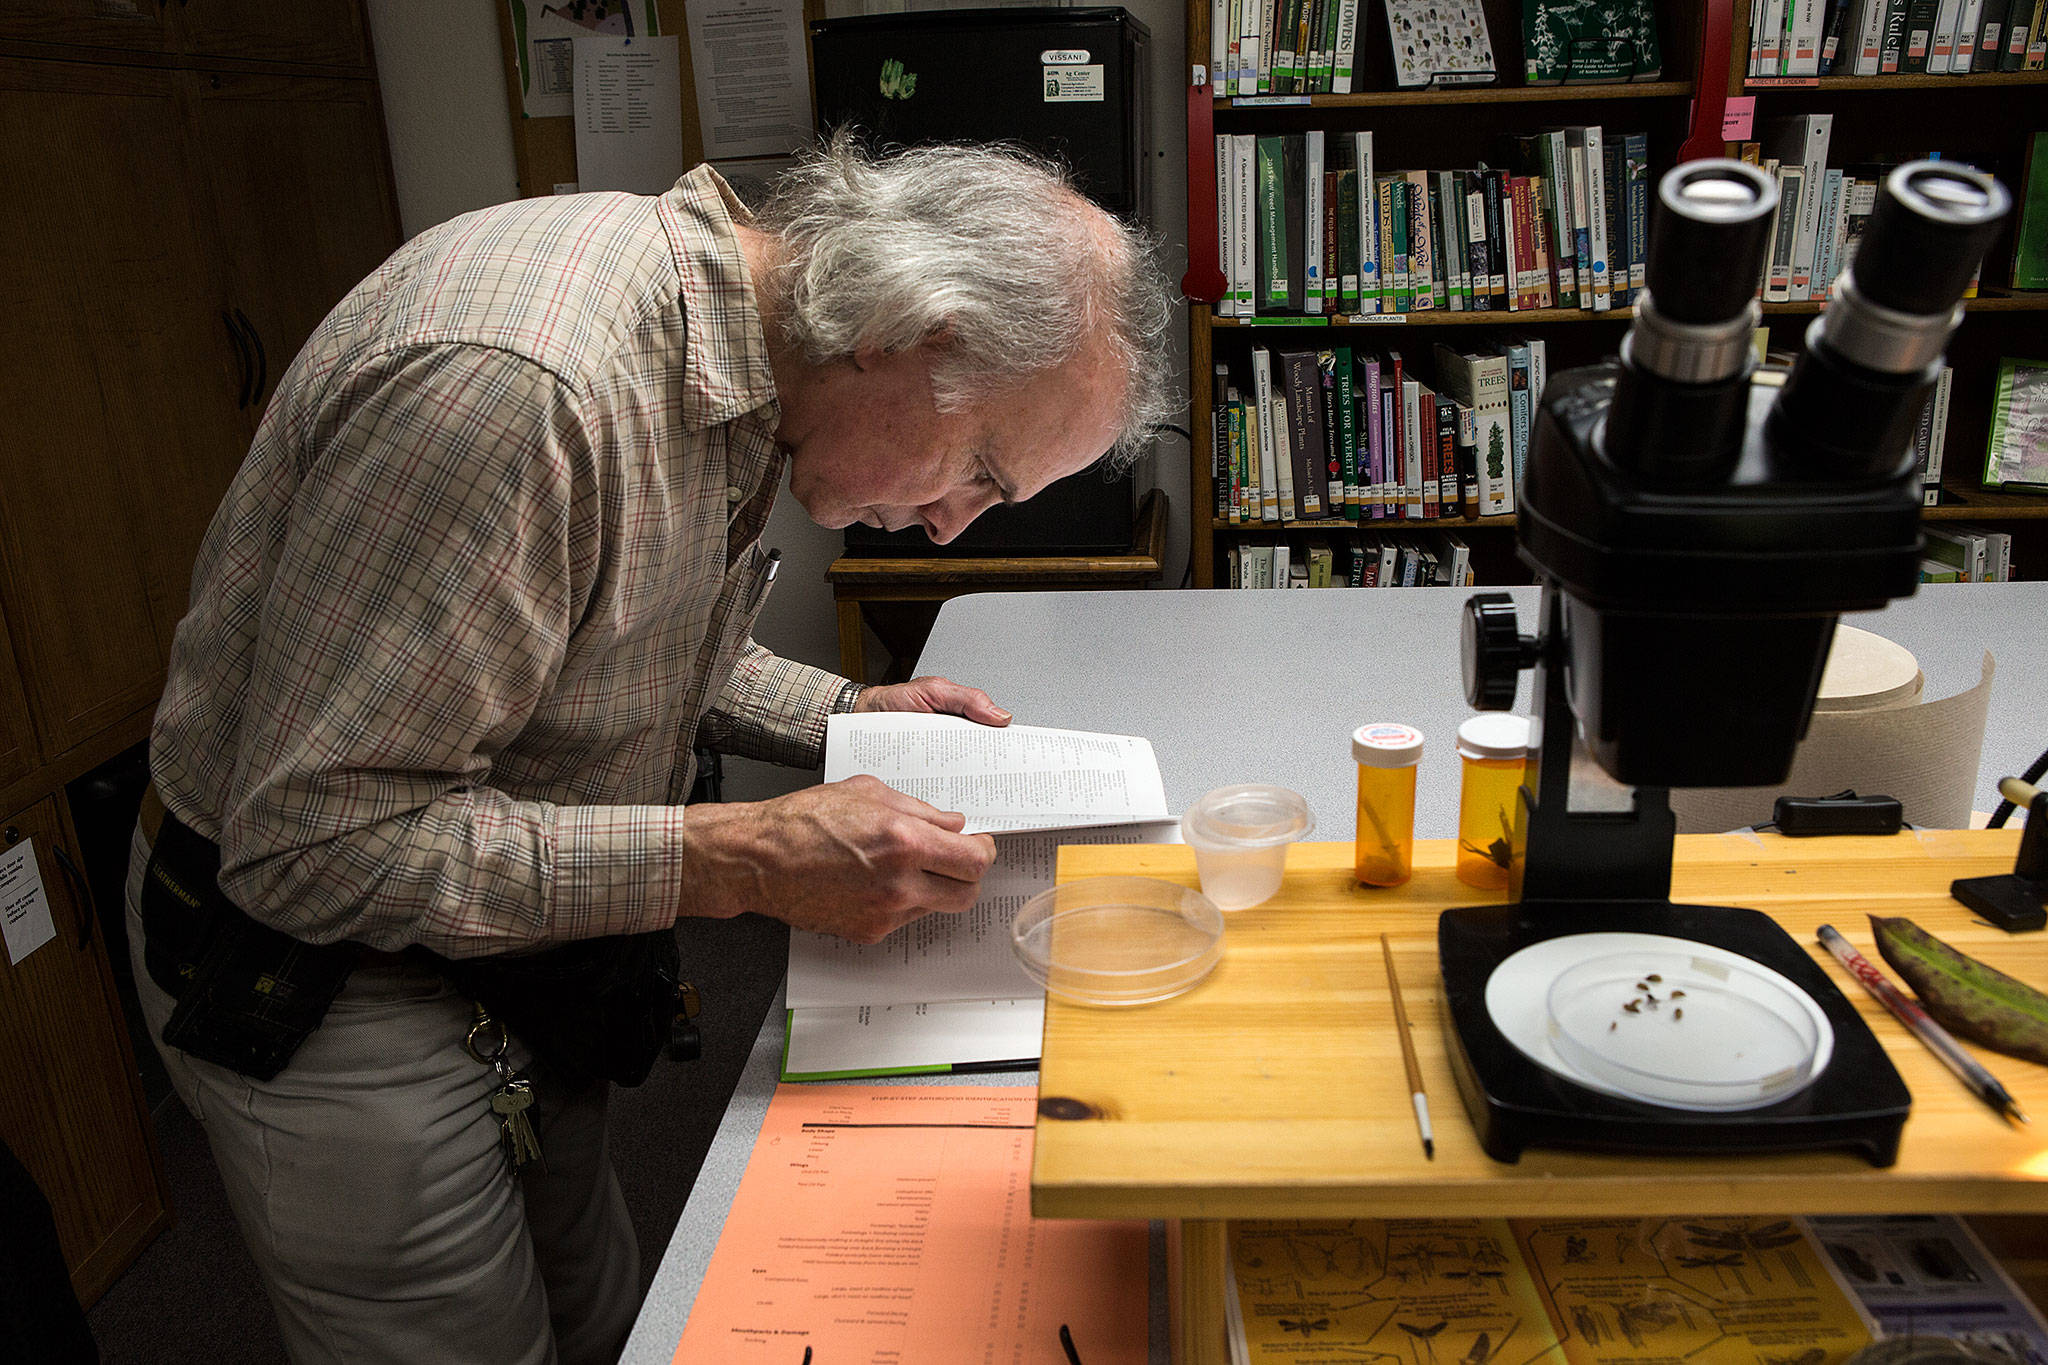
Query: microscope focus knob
x,y
1493,651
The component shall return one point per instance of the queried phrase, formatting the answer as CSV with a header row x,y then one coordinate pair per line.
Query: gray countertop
x,y
1243,687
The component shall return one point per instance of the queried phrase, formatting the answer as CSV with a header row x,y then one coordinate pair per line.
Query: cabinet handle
x,y
262,359
243,360
86,918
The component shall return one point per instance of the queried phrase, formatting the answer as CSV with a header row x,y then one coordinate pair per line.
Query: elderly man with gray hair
x,y
404,889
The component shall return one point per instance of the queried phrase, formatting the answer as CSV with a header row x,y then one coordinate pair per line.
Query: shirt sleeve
x,y
775,709
419,608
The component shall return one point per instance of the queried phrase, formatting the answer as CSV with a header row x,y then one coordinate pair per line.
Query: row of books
x,y
1958,552
1821,210
1309,226
1309,47
1881,37
1344,433
1439,559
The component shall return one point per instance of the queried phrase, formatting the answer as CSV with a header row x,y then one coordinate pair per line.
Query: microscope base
x,y
1858,1102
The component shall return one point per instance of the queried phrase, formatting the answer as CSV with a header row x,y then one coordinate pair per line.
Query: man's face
x,y
867,443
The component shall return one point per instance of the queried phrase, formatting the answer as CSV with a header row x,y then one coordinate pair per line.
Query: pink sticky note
x,y
1738,118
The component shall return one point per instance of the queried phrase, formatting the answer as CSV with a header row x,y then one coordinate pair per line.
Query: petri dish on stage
x,y
1118,940
1678,1028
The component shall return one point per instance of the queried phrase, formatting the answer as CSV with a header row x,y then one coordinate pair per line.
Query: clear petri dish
x,y
1677,1028
1118,940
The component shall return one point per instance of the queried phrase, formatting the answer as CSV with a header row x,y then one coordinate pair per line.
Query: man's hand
x,y
854,858
934,696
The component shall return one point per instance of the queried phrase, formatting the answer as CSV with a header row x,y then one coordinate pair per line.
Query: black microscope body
x,y
1697,529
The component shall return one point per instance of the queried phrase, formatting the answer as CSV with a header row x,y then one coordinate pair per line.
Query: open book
x,y
945,993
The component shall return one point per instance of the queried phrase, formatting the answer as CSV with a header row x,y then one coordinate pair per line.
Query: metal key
x,y
510,1105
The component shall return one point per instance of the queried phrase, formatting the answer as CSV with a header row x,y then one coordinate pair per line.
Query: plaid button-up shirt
x,y
486,571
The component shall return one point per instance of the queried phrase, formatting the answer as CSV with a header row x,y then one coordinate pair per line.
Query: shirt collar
x,y
726,374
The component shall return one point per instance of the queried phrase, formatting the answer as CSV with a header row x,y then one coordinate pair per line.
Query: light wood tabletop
x,y
1276,1088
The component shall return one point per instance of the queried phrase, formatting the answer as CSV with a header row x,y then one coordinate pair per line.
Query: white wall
x,y
451,151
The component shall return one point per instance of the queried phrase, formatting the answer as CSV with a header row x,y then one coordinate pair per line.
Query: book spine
x,y
1869,38
1828,234
1636,161
1942,50
1396,206
1397,447
1518,407
1347,46
1244,236
1346,209
1369,275
1499,269
1819,132
1969,19
1473,197
1226,171
1233,475
1930,492
1346,406
1616,191
2018,29
1450,488
1778,260
1312,221
1425,428
1249,36
1990,32
1372,440
1596,216
1804,34
1331,448
1421,262
1440,288
1219,441
1263,401
1411,450
1274,285
1919,34
1294,187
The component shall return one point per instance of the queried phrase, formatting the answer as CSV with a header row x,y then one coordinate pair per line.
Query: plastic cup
x,y
1240,836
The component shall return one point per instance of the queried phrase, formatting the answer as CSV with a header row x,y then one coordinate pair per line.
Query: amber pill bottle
x,y
1386,754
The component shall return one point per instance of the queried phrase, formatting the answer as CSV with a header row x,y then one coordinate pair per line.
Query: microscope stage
x,y
1550,1054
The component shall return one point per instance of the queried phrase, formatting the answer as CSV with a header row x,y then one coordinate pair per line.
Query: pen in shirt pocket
x,y
764,574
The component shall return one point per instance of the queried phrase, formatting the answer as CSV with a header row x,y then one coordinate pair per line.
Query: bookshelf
x,y
1983,118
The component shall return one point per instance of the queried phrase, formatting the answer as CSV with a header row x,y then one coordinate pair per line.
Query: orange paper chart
x,y
893,1224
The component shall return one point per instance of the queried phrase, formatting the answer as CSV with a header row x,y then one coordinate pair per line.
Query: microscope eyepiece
x,y
1855,394
1678,413
1708,240
1929,230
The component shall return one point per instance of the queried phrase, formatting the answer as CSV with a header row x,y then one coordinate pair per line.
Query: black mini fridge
x,y
1069,83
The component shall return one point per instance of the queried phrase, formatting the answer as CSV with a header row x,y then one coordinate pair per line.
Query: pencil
x,y
1415,1091
1938,1039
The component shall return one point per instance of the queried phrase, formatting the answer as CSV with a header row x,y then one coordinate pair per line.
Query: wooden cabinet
x,y
135,25
191,187
18,751
118,385
73,1109
301,199
319,32
328,33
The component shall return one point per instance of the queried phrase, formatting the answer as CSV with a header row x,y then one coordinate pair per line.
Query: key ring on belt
x,y
483,1026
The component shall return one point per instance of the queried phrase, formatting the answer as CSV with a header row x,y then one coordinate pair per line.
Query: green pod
x,y
1966,997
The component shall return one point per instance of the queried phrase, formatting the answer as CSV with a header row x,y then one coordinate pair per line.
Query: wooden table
x,y
865,587
1275,1088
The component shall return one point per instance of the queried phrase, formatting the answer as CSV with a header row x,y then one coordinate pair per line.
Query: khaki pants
x,y
368,1180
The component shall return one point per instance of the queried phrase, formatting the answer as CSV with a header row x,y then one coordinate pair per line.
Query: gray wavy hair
x,y
989,249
